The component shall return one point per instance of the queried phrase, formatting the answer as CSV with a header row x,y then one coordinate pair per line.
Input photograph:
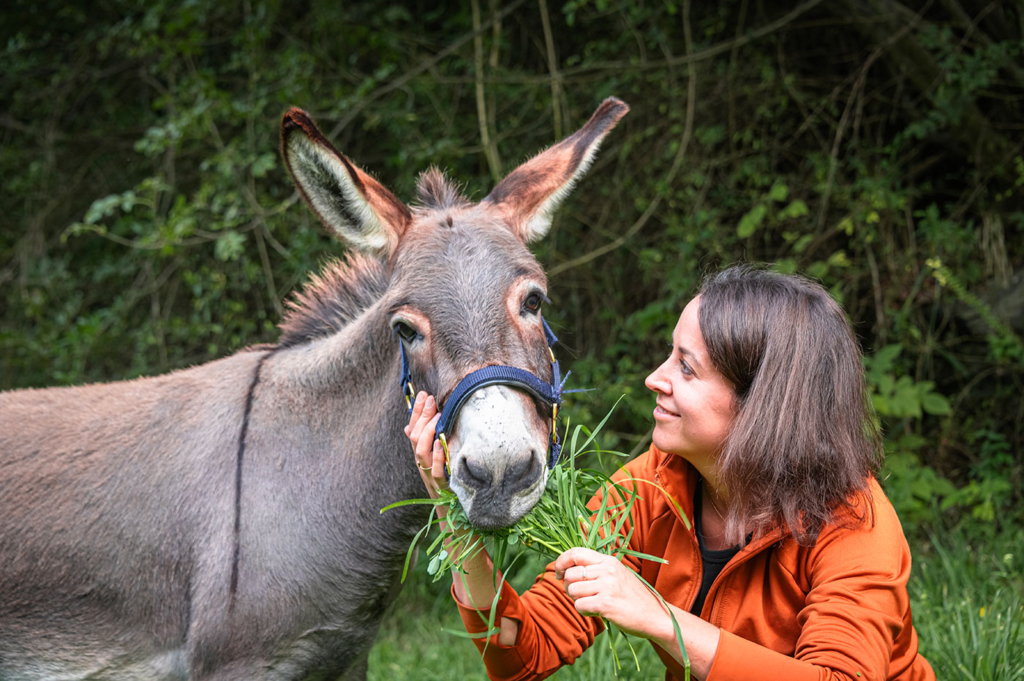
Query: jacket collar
x,y
678,478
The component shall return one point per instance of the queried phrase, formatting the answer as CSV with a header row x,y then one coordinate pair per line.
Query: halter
x,y
549,393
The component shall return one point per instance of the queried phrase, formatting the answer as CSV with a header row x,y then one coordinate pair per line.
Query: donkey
x,y
223,522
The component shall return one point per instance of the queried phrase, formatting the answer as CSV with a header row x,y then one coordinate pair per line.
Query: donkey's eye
x,y
533,302
407,333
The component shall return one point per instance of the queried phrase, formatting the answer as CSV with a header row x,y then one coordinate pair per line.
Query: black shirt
x,y
713,561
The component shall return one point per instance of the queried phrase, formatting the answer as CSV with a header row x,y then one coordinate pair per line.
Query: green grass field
x,y
967,596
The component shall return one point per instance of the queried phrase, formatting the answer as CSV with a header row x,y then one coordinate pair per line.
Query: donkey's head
x,y
463,293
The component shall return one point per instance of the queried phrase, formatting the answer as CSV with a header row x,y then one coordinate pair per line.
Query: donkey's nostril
x,y
476,475
525,468
522,474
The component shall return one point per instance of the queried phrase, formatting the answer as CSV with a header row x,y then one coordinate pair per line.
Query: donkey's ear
x,y
530,194
351,203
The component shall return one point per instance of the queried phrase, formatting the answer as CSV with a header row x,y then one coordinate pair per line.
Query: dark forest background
x,y
146,221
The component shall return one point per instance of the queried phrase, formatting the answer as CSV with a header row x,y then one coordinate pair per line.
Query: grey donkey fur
x,y
222,521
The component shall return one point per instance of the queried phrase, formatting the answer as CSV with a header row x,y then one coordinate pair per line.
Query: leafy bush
x,y
148,224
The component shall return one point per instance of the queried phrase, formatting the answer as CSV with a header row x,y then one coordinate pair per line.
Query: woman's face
x,y
696,404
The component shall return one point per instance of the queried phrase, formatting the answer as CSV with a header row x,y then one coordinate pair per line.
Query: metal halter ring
x,y
410,393
447,458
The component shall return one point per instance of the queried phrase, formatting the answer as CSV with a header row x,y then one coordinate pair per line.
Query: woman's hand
x,y
428,450
602,585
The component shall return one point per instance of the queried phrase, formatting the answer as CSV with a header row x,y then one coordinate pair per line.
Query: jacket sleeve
x,y
855,608
551,631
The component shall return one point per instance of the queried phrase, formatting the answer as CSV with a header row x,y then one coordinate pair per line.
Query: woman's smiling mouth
x,y
660,411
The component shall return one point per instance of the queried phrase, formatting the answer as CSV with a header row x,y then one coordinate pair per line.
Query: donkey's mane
x,y
348,286
435,190
332,299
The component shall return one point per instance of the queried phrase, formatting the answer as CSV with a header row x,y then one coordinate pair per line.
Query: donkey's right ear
x,y
351,203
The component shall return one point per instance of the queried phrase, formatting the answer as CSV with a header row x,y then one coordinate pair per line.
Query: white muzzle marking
x,y
497,427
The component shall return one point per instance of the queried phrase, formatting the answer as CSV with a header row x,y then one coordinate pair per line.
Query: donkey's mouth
x,y
498,515
500,506
489,521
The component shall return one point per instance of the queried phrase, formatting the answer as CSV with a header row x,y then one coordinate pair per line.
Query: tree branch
x,y
481,101
857,87
692,57
423,66
556,86
684,142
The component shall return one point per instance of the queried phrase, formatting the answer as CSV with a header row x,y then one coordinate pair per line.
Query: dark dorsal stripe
x,y
239,460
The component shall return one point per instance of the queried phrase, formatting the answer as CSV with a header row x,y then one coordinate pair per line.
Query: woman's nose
x,y
657,382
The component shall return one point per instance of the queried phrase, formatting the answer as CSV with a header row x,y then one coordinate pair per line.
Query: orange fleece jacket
x,y
837,610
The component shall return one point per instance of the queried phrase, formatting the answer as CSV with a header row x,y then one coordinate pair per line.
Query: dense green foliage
x,y
873,144
149,224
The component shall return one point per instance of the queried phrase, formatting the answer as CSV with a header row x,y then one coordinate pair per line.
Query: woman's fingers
x,y
417,407
417,411
578,585
584,573
437,466
422,413
588,606
430,459
577,556
600,585
425,443
414,415
421,431
583,583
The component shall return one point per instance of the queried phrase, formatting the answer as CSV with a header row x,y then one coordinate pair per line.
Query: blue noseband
x,y
548,393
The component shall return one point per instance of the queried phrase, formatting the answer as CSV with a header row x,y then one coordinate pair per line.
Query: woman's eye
x,y
686,368
407,333
533,302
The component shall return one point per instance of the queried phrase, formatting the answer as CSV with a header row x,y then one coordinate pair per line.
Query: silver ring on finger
x,y
584,573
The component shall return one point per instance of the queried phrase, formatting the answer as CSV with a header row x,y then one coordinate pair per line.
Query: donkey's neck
x,y
334,406
356,358
325,453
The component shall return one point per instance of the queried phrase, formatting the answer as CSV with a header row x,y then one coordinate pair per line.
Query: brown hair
x,y
803,442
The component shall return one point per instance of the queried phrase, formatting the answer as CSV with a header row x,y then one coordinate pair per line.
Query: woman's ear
x,y
353,205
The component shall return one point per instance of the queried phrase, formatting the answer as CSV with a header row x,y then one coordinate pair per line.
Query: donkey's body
x,y
105,481
222,522
125,532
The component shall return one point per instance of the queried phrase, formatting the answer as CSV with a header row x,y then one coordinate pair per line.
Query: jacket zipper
x,y
691,598
714,614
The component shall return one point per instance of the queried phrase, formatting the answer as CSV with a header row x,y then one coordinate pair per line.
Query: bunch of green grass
x,y
560,521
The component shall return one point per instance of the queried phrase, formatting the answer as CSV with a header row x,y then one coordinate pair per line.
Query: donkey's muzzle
x,y
519,476
544,393
500,502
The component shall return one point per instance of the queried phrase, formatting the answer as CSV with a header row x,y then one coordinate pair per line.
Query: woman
x,y
796,565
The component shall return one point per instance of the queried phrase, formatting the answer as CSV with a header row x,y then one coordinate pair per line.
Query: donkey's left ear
x,y
530,194
352,204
